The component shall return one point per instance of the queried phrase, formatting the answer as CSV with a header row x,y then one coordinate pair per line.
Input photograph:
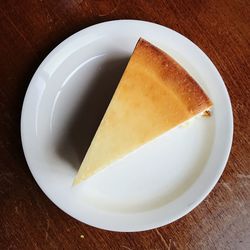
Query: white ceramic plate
x,y
157,184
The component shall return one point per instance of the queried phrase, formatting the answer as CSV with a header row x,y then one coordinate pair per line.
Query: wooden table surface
x,y
29,30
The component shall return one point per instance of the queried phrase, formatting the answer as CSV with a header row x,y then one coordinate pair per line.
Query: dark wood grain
x,y
29,30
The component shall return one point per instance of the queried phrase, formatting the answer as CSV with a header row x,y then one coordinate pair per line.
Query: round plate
x,y
155,185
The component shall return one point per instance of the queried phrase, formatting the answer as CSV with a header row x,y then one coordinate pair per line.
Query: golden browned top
x,y
173,75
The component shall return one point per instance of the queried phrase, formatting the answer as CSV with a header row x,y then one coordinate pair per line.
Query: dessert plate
x,y
151,187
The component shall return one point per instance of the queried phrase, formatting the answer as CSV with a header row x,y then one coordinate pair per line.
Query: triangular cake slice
x,y
155,94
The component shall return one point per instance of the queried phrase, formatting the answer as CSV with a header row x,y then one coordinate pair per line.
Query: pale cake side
x,y
154,95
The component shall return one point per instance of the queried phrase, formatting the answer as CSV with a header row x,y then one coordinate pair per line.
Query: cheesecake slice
x,y
155,94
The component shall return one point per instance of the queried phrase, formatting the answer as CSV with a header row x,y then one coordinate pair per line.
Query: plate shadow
x,y
85,119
